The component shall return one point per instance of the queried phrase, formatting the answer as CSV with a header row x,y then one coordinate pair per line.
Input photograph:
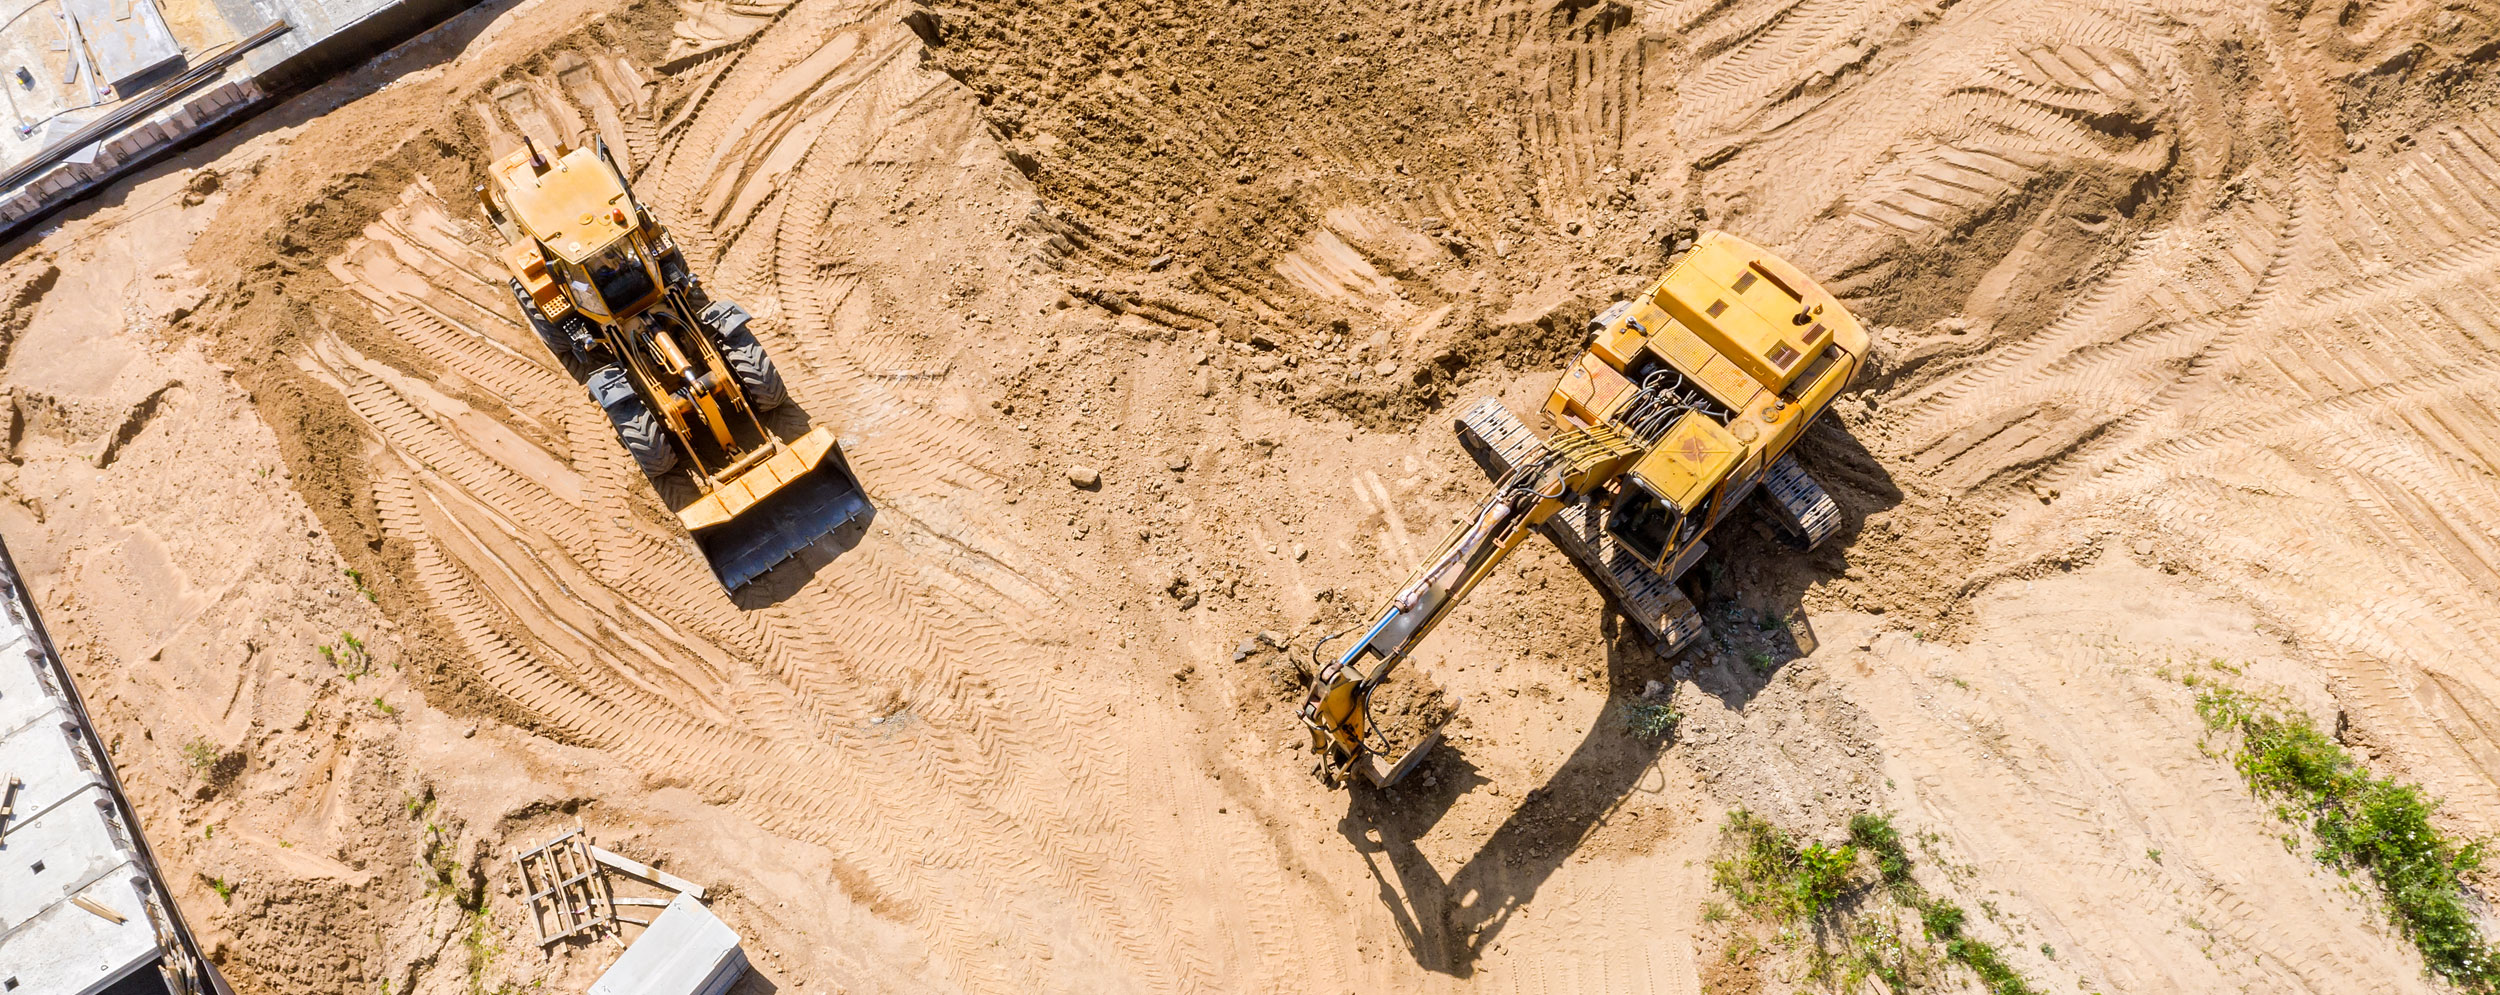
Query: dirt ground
x,y
2185,342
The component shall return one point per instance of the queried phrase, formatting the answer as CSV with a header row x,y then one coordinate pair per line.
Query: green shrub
x,y
2362,821
1650,720
1787,885
1822,876
201,755
1875,834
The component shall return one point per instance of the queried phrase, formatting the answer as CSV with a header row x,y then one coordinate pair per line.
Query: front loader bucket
x,y
774,509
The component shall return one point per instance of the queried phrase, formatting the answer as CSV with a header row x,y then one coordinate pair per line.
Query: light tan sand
x,y
2185,338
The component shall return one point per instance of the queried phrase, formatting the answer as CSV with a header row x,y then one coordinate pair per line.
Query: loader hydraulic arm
x,y
1336,709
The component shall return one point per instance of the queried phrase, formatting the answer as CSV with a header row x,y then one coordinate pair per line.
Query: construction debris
x,y
686,951
82,907
566,888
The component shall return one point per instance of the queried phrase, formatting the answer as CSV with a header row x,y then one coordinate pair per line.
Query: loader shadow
x,y
785,579
793,575
1450,921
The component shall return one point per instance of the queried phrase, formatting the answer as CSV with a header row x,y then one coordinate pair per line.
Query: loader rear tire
x,y
635,425
754,371
558,344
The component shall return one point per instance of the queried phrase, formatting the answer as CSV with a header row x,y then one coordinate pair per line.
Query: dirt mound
x,y
1407,708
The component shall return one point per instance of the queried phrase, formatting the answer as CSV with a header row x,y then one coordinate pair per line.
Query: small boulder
x,y
1084,477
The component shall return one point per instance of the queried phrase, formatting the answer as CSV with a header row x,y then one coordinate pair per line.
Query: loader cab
x,y
612,283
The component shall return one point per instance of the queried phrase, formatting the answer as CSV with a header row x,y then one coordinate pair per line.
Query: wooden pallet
x,y
568,889
1651,600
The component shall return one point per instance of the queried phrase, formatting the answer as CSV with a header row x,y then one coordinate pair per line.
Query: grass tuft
x,y
349,656
1650,720
1818,891
2363,822
201,755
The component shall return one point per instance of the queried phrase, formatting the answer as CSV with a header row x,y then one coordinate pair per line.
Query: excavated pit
x,y
2184,331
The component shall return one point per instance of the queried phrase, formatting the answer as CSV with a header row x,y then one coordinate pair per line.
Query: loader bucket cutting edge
x,y
774,510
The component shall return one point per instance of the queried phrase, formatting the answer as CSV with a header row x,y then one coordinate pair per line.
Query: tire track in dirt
x,y
916,695
2285,301
2024,739
1003,796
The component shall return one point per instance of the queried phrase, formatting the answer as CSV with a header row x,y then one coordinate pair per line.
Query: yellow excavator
x,y
678,374
1687,400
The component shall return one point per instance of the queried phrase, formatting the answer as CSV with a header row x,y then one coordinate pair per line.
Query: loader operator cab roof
x,y
576,207
614,279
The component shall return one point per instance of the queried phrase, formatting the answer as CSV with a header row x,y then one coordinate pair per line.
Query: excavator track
x,y
1650,599
1803,509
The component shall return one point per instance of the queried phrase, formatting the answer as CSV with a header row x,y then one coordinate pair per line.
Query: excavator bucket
x,y
774,509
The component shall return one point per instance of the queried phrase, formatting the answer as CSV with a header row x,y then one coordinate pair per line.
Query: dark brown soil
x,y
1407,708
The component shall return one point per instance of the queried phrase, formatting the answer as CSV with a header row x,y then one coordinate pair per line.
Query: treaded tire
x,y
635,425
754,371
558,344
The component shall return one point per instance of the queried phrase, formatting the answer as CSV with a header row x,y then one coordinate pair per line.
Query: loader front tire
x,y
635,425
754,371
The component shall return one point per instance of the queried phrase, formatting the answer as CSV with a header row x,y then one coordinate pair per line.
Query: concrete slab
x,y
126,39
81,908
181,67
686,951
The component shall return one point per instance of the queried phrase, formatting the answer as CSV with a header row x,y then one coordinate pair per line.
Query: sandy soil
x,y
2184,350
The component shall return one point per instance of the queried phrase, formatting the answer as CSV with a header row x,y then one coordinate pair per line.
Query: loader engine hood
x,y
576,206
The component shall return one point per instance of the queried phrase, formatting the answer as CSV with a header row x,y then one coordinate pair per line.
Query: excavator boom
x,y
1336,710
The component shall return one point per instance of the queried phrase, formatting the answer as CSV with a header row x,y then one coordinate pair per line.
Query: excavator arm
x,y
1336,710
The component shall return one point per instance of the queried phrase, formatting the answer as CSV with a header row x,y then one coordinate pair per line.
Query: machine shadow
x,y
786,579
1751,590
1751,586
1449,922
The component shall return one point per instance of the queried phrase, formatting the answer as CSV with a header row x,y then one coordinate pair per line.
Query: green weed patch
x,y
2363,822
1852,926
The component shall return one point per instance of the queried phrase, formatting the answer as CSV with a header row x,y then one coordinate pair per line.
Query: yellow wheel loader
x,y
1687,401
680,376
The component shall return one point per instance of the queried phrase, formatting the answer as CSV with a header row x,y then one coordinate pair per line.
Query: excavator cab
x,y
1645,524
1662,505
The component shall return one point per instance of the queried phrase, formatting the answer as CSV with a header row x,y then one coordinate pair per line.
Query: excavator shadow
x,y
1751,586
1752,602
1449,921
